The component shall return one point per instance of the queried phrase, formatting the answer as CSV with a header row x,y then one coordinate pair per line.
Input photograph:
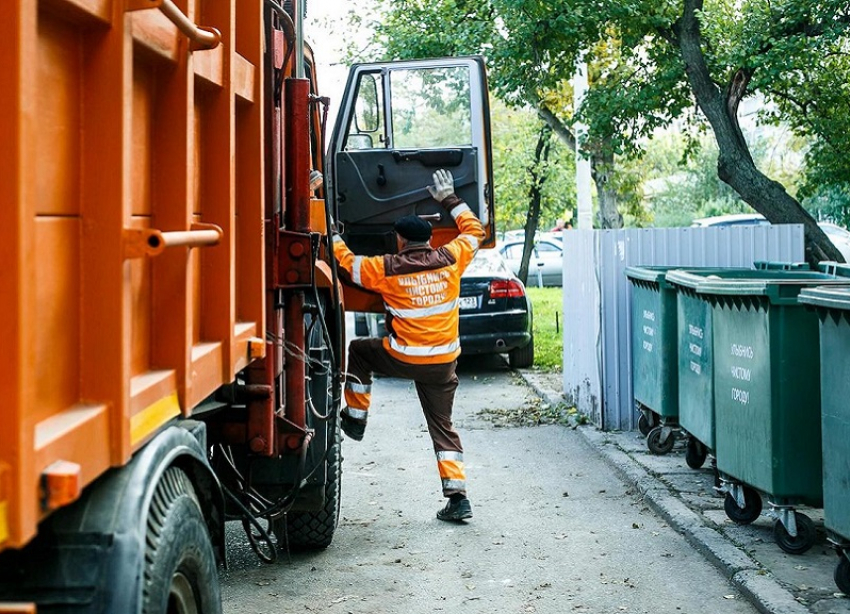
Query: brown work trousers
x,y
435,384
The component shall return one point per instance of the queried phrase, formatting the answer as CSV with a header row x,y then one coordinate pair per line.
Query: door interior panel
x,y
379,186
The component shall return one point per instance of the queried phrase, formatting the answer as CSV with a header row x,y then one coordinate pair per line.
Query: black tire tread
x,y
522,358
751,511
174,507
805,539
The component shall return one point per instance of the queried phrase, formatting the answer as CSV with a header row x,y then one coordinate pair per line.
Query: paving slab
x,y
775,582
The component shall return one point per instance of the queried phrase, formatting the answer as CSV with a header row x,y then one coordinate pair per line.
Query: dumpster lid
x,y
653,274
778,286
832,297
692,277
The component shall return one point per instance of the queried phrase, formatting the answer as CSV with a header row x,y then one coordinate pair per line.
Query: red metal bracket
x,y
295,260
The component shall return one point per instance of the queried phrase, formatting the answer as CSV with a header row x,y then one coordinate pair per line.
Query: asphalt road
x,y
555,530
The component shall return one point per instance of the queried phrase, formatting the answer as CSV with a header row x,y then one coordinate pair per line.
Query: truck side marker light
x,y
152,417
256,348
61,484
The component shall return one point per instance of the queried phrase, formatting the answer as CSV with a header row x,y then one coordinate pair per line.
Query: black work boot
x,y
354,429
456,509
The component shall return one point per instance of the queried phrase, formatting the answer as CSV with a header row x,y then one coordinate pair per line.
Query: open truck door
x,y
398,123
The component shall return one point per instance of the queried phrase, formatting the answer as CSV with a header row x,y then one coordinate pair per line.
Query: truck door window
x,y
431,107
365,130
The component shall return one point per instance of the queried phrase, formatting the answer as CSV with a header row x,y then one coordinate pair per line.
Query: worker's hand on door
x,y
444,185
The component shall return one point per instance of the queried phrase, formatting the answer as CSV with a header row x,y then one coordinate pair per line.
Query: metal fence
x,y
597,331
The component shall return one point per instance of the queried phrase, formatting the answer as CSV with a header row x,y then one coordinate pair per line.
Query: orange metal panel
x,y
208,65
82,12
217,193
18,195
244,74
250,182
205,372
105,205
171,162
58,137
148,388
140,302
57,335
155,34
75,435
140,170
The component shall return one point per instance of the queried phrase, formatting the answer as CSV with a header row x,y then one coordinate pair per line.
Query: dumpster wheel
x,y
746,514
804,539
695,453
842,573
647,420
661,440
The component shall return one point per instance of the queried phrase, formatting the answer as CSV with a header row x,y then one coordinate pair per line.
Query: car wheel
x,y
522,358
361,326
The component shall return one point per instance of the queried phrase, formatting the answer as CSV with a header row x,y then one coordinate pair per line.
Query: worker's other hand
x,y
444,185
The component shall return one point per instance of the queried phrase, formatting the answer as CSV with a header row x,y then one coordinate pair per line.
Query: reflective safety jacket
x,y
420,287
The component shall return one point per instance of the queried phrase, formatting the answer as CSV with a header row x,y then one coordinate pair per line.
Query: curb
x,y
748,576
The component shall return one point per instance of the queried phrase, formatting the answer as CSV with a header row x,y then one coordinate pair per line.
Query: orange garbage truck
x,y
173,325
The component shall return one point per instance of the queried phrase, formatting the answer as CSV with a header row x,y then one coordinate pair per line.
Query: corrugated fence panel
x,y
597,294
581,331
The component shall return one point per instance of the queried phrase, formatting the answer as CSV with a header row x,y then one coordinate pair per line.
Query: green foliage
x,y
547,304
682,175
514,138
792,54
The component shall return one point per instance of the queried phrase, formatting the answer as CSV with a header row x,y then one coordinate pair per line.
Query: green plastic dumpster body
x,y
833,309
654,371
766,366
695,342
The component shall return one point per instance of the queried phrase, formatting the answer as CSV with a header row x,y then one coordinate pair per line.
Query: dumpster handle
x,y
152,242
201,37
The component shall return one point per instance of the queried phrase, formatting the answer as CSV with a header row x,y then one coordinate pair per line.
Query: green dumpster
x,y
696,350
833,308
767,410
654,374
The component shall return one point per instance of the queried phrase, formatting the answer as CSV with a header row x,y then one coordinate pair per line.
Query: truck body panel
x,y
120,136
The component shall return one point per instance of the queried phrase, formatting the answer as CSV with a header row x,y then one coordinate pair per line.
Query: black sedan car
x,y
495,312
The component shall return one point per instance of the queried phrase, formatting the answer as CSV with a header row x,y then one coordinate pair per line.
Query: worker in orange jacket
x,y
420,286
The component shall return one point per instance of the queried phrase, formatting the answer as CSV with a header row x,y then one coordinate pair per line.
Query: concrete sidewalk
x,y
775,582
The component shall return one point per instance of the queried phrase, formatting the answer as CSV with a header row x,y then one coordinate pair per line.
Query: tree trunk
x,y
602,167
538,177
735,164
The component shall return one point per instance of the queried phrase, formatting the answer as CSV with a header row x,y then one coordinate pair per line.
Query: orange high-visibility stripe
x,y
358,400
451,470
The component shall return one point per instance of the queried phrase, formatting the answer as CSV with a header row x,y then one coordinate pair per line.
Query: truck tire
x,y
180,575
315,530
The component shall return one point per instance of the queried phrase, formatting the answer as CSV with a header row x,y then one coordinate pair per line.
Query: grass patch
x,y
548,327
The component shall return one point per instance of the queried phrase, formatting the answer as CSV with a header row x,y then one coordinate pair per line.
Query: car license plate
x,y
468,302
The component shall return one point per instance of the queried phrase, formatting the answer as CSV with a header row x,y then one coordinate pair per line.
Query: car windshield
x,y
835,231
487,262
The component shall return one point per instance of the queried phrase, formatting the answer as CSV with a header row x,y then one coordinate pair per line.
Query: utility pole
x,y
583,177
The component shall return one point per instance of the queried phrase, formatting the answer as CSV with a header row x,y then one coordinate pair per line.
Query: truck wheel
x,y
315,530
522,358
180,575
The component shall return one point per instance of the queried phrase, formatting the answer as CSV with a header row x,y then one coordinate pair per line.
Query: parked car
x,y
839,236
546,266
495,312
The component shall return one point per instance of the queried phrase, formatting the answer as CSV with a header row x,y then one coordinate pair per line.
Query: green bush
x,y
547,307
